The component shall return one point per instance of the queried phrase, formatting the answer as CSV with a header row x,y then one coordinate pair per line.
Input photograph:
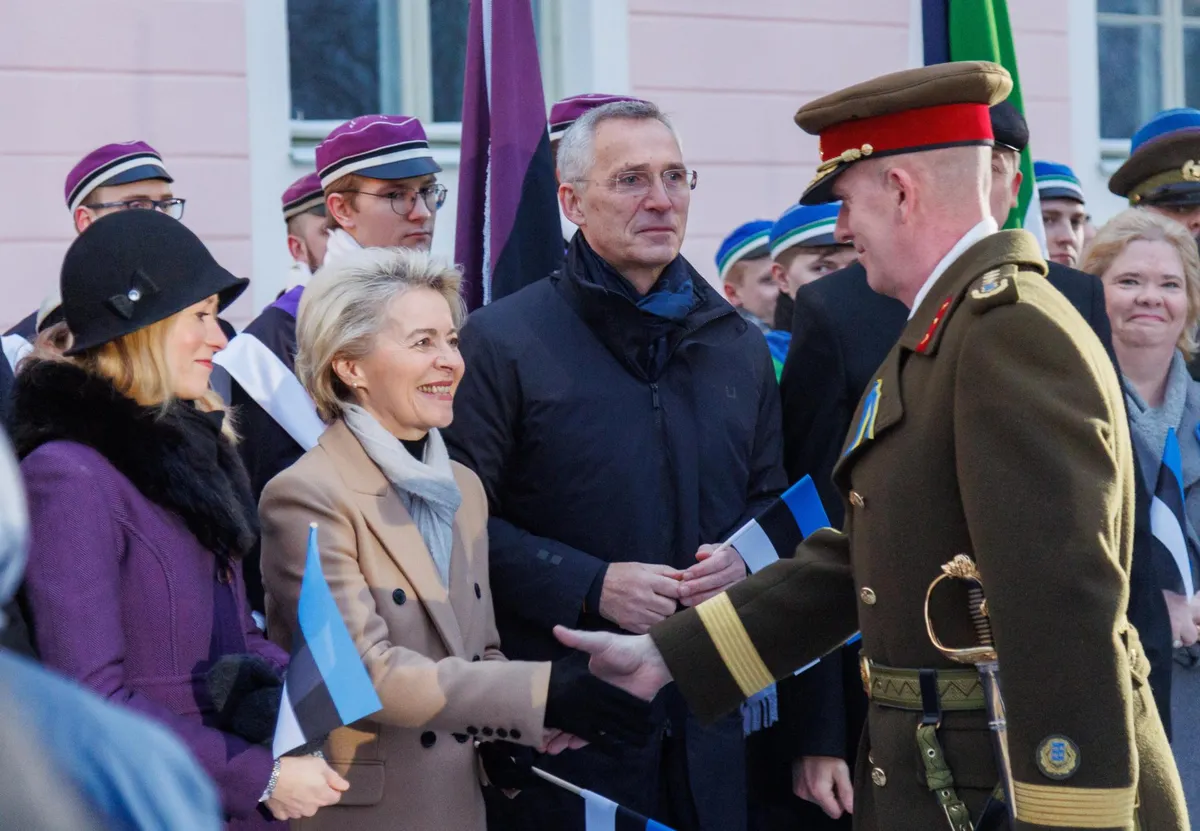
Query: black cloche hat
x,y
133,268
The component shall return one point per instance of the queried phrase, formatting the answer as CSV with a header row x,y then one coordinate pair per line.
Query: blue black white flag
x,y
326,685
1168,520
605,815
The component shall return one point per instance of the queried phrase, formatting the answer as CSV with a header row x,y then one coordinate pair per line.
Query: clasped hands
x,y
636,596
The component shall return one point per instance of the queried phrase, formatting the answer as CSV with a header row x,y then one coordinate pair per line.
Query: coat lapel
x,y
391,523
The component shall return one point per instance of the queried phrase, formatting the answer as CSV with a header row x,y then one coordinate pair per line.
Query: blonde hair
x,y
346,305
1134,224
135,363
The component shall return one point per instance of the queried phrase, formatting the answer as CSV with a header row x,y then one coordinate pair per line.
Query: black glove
x,y
508,766
581,704
246,691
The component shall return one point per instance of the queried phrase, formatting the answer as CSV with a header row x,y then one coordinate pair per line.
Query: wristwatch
x,y
271,783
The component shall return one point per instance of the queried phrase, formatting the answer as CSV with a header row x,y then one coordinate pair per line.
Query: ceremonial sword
x,y
983,657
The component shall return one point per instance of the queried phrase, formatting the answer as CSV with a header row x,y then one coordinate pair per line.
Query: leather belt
x,y
958,689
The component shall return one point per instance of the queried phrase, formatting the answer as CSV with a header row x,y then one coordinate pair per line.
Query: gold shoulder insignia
x,y
997,287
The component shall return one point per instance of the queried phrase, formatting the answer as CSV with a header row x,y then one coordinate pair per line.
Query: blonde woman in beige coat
x,y
403,542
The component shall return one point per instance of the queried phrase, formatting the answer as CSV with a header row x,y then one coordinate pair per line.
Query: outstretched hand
x,y
630,662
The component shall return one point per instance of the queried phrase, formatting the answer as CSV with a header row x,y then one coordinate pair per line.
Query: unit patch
x,y
1058,757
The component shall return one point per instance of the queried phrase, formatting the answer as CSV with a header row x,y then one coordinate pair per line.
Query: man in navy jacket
x,y
624,421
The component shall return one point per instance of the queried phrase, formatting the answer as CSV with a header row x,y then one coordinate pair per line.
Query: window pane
x,y
1128,6
448,47
1130,82
1191,8
334,58
1191,67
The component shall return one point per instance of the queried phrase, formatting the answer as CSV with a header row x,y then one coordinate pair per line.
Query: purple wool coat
x,y
122,594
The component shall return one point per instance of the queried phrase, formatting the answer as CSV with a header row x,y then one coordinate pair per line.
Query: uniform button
x,y
428,738
398,597
475,658
868,595
471,731
878,777
515,734
856,499
871,758
461,738
487,731
478,592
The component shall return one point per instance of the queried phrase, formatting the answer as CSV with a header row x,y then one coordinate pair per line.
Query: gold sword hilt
x,y
963,568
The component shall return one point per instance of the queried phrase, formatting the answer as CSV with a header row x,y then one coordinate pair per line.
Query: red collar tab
x,y
946,124
933,327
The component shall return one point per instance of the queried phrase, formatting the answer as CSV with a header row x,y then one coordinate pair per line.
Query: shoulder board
x,y
997,287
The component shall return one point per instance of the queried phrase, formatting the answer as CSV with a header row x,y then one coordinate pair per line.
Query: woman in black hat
x,y
140,511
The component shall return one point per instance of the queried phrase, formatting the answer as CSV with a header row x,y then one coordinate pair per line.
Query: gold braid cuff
x,y
1056,806
734,646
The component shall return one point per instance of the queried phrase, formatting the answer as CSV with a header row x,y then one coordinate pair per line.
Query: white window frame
x,y
1172,23
414,92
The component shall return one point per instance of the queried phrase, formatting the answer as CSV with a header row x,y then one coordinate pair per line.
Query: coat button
x,y
878,777
868,595
461,738
487,731
856,499
515,734
471,731
475,658
398,597
428,739
501,733
478,592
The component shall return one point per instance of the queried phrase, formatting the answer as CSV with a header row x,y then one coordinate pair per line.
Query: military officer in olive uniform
x,y
995,428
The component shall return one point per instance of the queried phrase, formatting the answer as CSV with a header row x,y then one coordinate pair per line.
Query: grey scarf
x,y
1149,425
426,487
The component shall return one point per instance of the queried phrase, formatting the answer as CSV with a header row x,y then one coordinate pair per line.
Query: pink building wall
x,y
75,75
732,76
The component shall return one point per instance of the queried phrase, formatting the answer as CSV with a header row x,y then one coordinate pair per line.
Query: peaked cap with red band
x,y
928,108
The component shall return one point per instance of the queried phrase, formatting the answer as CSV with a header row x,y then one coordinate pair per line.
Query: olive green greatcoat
x,y
997,430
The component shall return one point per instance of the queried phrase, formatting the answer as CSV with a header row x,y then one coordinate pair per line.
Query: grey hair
x,y
577,147
345,306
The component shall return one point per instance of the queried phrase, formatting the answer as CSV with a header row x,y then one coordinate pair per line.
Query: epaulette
x,y
997,287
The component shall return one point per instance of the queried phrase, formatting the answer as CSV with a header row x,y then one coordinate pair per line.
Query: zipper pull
x,y
654,395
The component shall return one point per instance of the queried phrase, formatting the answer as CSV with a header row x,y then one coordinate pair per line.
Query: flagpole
x,y
554,780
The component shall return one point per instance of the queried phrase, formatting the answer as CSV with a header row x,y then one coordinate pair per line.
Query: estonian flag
x,y
772,535
326,685
1167,516
777,531
508,232
605,815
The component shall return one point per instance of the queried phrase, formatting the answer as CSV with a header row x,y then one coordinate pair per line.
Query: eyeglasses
x,y
676,182
403,201
171,207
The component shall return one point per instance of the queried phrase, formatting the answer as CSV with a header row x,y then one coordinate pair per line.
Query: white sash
x,y
275,388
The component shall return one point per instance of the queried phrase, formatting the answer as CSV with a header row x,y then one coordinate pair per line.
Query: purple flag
x,y
508,229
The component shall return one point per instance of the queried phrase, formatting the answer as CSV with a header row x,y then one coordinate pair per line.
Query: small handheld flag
x,y
773,535
1167,517
326,685
777,531
601,813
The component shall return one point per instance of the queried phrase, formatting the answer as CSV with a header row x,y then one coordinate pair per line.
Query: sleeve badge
x,y
1058,757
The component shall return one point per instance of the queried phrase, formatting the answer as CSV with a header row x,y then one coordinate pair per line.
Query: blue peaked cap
x,y
1057,181
804,225
745,240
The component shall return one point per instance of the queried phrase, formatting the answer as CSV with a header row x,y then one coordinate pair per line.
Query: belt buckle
x,y
864,670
